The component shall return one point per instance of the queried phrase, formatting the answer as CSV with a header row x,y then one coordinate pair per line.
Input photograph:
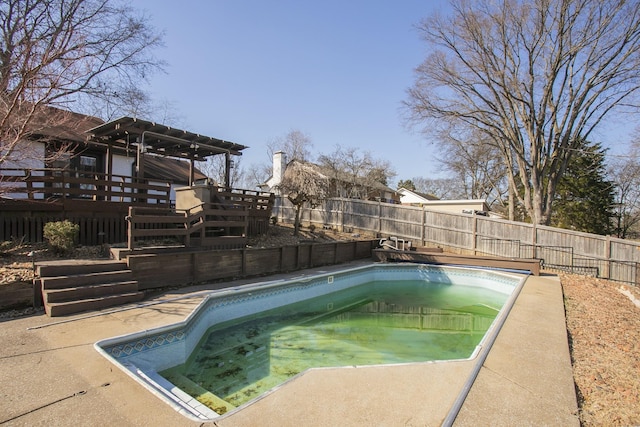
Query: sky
x,y
251,71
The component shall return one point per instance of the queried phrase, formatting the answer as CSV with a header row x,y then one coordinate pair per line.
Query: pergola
x,y
127,133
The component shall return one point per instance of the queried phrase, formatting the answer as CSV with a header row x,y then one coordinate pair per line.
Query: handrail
x,y
52,184
186,224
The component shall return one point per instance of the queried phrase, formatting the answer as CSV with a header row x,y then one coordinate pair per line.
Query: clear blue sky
x,y
249,71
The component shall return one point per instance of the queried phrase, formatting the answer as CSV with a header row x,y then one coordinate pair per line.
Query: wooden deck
x,y
423,256
115,209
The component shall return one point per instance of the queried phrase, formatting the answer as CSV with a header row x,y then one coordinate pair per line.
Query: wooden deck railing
x,y
258,203
55,184
208,225
29,198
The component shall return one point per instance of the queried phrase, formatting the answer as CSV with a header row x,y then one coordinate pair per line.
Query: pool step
x,y
187,390
70,287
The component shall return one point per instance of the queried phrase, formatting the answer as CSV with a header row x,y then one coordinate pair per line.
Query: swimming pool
x,y
146,354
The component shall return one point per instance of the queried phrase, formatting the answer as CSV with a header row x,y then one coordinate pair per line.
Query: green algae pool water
x,y
371,324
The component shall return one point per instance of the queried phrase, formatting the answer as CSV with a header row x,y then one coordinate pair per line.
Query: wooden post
x,y
227,170
29,183
379,218
192,172
423,225
244,262
187,230
109,170
607,255
281,268
474,232
130,230
534,239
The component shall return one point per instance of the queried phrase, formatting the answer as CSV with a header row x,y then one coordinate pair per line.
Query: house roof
x,y
345,177
170,169
53,123
424,196
161,139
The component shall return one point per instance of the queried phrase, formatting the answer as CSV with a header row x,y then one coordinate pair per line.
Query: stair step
x,y
77,280
73,307
73,267
86,292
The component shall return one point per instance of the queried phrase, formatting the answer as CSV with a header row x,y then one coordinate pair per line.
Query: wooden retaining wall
x,y
183,268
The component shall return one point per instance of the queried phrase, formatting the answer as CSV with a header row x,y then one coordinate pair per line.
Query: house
x,y
428,201
125,150
340,184
414,198
98,174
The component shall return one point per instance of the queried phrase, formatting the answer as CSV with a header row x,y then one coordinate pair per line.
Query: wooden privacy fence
x,y
559,249
26,223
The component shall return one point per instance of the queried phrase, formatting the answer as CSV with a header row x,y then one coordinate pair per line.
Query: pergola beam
x,y
163,140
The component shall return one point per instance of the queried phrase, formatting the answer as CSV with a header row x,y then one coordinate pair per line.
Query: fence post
x,y
534,240
607,256
423,233
474,232
379,218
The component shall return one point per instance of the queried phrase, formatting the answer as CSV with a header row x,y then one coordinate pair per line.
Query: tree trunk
x,y
512,204
296,222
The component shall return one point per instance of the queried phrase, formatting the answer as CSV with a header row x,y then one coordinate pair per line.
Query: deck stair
x,y
74,286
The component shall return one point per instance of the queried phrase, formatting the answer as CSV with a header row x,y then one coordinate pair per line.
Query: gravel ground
x,y
603,323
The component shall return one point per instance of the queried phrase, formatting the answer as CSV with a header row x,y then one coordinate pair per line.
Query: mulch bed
x,y
604,337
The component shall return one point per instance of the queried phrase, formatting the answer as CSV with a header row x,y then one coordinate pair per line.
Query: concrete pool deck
x,y
50,374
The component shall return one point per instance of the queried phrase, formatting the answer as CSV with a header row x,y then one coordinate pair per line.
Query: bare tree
x,y
535,76
625,174
303,184
64,52
215,168
296,144
442,188
356,172
475,162
257,174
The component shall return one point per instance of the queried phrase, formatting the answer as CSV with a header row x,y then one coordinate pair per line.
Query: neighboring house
x,y
471,206
81,146
414,198
340,186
